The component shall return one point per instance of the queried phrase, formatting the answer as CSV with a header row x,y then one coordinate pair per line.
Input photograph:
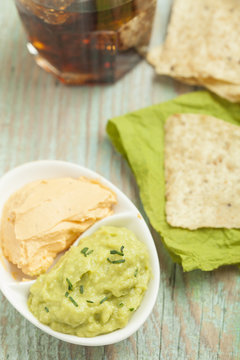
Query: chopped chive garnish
x,y
122,247
46,309
81,289
121,305
85,251
89,252
136,272
131,309
104,299
73,301
70,286
116,261
90,301
116,252
66,293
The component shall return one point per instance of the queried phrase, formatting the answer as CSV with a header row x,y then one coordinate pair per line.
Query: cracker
x,y
226,90
202,42
205,43
202,172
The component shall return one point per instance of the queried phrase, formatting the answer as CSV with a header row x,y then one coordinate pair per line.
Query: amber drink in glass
x,y
87,41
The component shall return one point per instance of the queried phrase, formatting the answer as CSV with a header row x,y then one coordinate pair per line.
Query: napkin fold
x,y
139,137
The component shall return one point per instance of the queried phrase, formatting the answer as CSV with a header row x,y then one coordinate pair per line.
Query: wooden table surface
x,y
197,314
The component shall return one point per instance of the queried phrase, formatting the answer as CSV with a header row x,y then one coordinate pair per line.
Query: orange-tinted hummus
x,y
46,216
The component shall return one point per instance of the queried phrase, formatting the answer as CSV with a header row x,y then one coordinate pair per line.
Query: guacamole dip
x,y
95,287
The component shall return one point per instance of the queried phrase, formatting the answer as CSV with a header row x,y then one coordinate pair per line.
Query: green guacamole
x,y
95,287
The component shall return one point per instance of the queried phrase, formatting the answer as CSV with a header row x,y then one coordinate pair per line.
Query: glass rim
x,y
82,6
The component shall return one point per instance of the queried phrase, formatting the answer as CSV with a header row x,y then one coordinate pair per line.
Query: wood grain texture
x,y
197,314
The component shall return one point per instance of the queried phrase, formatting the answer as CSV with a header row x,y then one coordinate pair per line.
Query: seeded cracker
x,y
202,46
202,172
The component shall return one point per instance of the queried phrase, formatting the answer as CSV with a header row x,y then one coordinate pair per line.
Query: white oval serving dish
x,y
125,214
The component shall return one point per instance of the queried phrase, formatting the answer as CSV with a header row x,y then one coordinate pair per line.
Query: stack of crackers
x,y
202,172
202,46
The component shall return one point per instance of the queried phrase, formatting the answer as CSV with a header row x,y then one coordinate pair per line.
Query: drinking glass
x,y
87,41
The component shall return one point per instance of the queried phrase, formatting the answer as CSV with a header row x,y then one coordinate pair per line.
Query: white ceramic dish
x,y
125,214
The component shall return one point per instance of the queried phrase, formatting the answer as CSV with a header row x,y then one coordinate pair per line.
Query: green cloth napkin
x,y
139,137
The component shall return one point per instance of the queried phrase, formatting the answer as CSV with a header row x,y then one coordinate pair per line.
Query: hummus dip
x,y
95,287
46,216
